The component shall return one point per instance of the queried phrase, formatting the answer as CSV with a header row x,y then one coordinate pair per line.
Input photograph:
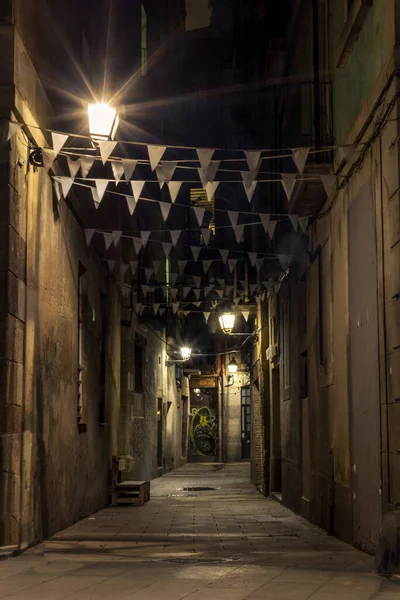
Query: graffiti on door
x,y
203,431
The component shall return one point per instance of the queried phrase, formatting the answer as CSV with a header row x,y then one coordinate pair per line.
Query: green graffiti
x,y
203,431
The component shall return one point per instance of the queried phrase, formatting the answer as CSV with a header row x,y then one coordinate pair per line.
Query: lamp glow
x,y
103,122
232,367
227,321
186,353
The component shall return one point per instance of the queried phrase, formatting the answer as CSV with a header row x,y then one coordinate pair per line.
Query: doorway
x,y
276,445
245,405
203,427
160,422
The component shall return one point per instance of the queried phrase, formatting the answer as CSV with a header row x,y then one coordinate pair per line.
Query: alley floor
x,y
226,542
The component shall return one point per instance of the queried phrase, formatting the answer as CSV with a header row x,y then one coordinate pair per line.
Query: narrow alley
x,y
206,533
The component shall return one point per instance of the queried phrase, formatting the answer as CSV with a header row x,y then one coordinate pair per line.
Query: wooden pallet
x,y
131,492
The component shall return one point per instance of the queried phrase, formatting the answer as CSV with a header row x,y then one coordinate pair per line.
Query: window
x,y
143,41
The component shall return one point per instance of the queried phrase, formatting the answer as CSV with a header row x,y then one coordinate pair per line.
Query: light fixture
x,y
232,367
186,353
227,321
103,122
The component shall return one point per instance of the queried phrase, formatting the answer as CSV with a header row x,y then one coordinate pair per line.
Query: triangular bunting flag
x,y
265,219
116,235
284,260
253,159
155,155
220,293
253,287
167,249
197,294
175,236
161,311
206,316
288,182
175,306
186,291
73,166
129,167
207,290
239,229
277,287
259,264
197,280
252,257
137,242
133,265
48,157
66,184
304,223
89,233
156,308
107,240
145,290
294,219
131,204
199,212
138,308
95,196
169,170
270,228
195,251
145,237
86,164
165,208
211,188
212,170
174,187
181,266
205,155
233,217
203,176
232,262
101,185
329,183
206,233
174,292
173,277
300,156
156,266
224,255
148,274
160,176
248,178
118,171
236,300
137,187
111,265
122,270
12,130
59,140
250,189
206,265
106,149
228,290
245,314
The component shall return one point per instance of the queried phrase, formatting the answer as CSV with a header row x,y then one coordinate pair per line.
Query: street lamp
x,y
232,367
227,321
103,122
186,353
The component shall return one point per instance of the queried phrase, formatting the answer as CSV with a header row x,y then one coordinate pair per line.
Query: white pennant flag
x,y
156,308
156,266
206,233
145,237
137,242
224,255
86,164
211,188
167,246
212,170
181,265
253,159
259,264
161,311
232,262
236,300
197,294
248,178
288,182
122,270
111,265
270,228
207,290
106,149
284,260
133,265
205,155
239,230
229,289
233,217
245,314
118,171
174,292
66,184
107,240
206,315
165,208
168,169
195,251
145,290
101,185
175,236
250,190
220,293
148,274
138,308
59,140
155,155
294,219
128,165
73,166
206,265
137,187
131,204
48,157
199,212
175,306
160,176
197,280
89,233
300,156
304,223
186,291
252,257
329,183
174,187
12,130
116,235
95,197
203,176
265,219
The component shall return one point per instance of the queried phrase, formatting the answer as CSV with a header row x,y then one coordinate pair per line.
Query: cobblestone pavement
x,y
223,543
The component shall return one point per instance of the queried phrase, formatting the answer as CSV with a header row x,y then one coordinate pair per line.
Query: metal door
x,y
203,426
364,371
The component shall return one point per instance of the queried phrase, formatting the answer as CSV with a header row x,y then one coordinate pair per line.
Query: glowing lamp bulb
x,y
103,121
186,353
232,367
227,321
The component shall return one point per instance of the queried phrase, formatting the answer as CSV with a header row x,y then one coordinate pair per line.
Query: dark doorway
x,y
185,401
276,445
160,421
203,429
245,403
